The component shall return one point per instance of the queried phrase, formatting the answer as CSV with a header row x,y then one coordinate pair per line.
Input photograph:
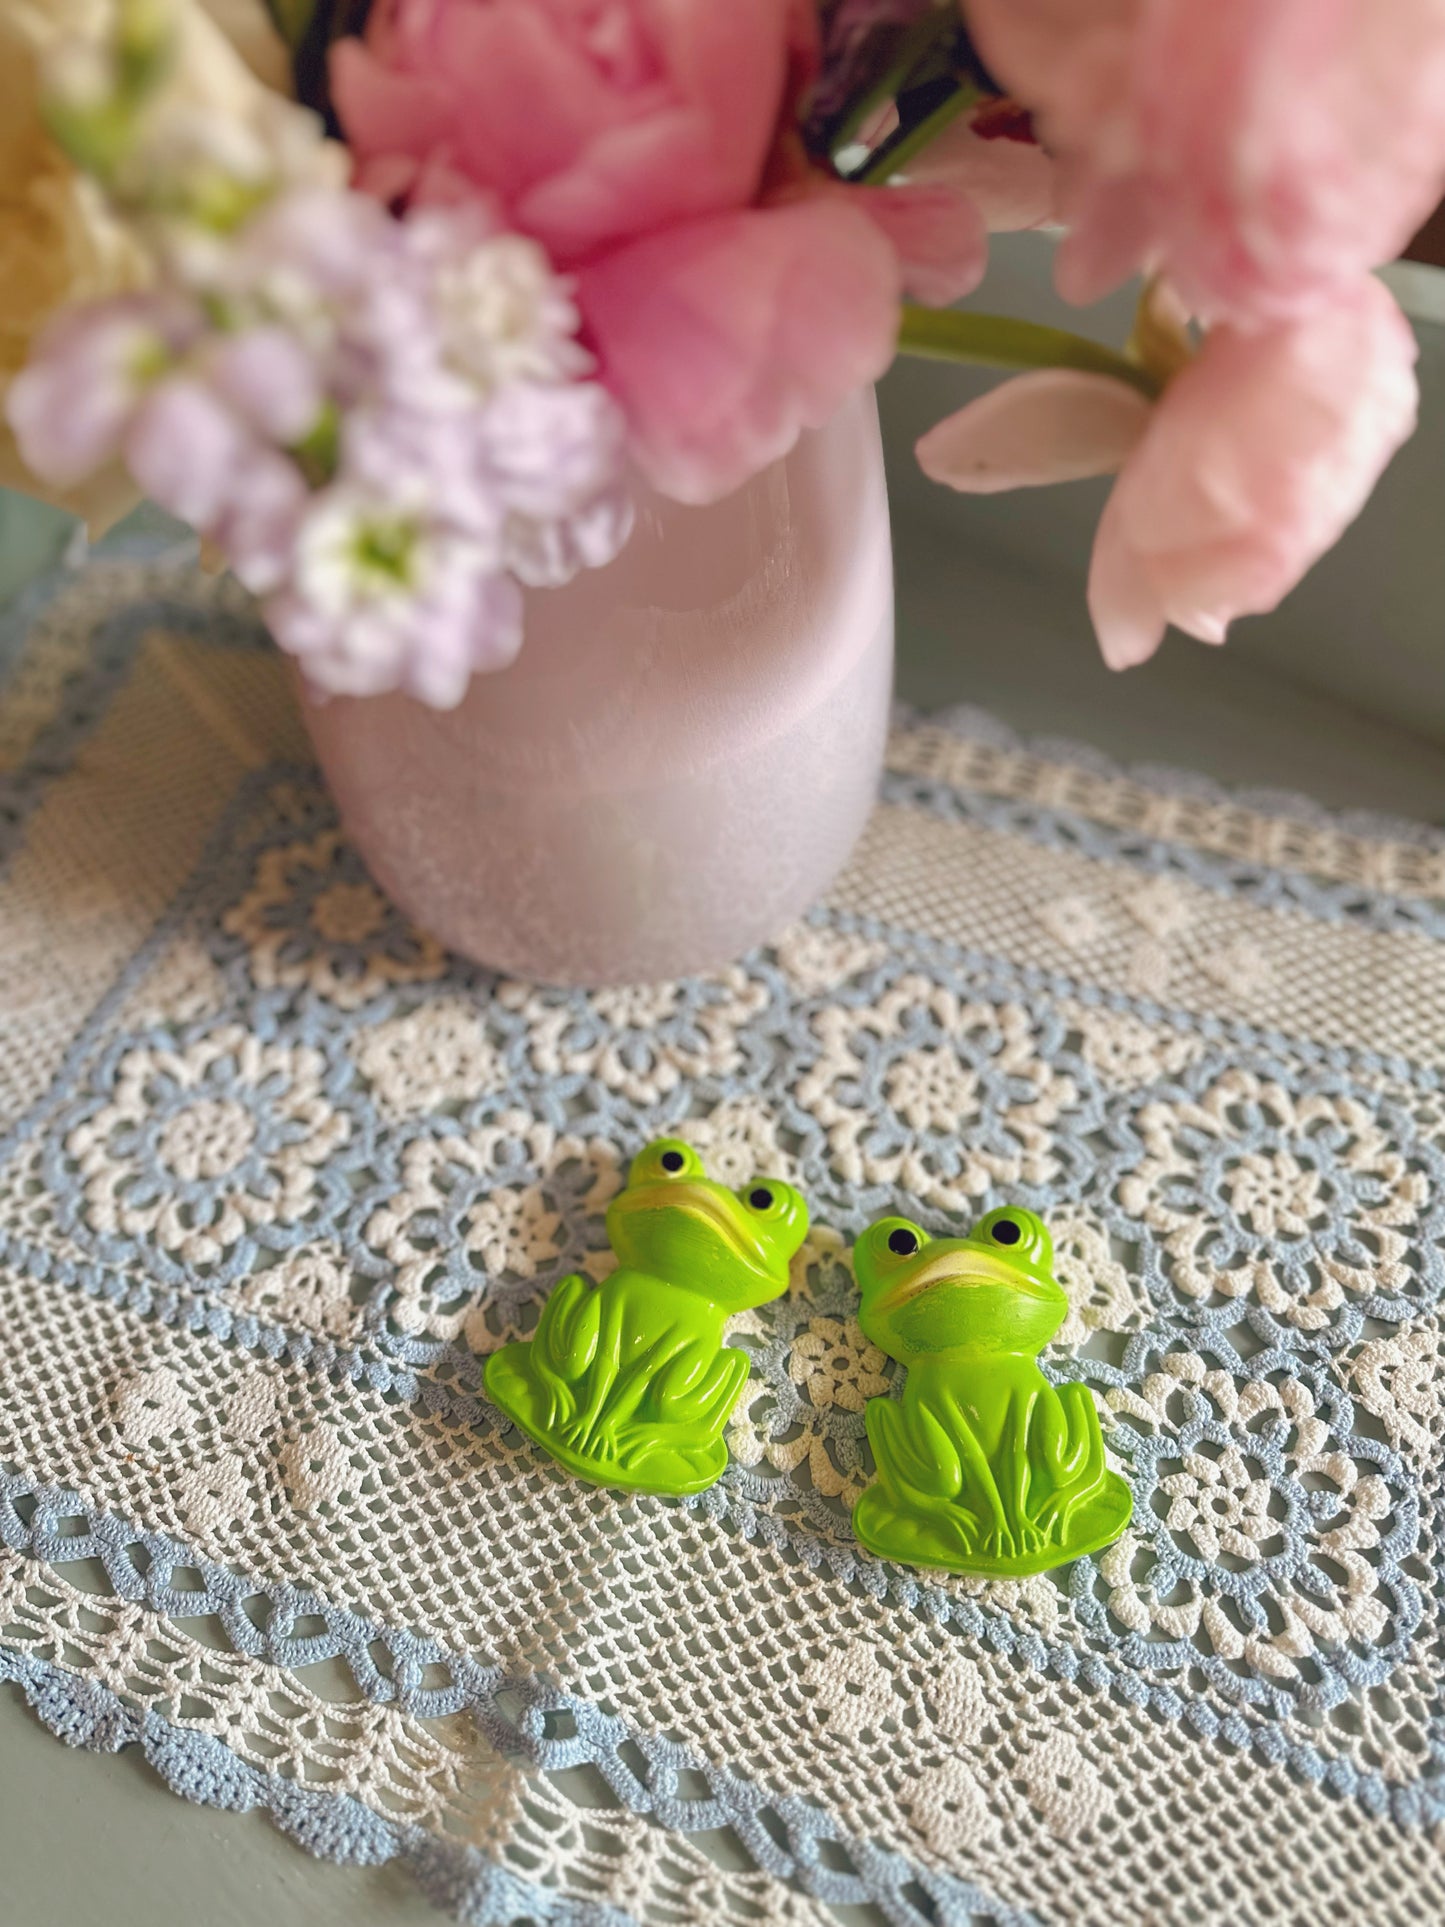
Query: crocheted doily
x,y
276,1173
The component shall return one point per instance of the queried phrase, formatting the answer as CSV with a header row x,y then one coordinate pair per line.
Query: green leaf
x,y
292,19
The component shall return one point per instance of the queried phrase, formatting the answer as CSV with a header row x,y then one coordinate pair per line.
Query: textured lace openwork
x,y
276,1174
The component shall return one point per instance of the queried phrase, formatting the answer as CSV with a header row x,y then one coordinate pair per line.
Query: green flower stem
x,y
999,341
914,46
292,19
899,150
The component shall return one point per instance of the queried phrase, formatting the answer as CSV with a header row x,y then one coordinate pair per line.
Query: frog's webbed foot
x,y
999,1542
895,1523
1032,1537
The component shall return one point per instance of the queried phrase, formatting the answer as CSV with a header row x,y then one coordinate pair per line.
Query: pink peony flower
x,y
1264,153
590,125
649,145
1251,465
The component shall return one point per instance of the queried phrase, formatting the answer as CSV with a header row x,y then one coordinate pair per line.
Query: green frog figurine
x,y
628,1383
983,1466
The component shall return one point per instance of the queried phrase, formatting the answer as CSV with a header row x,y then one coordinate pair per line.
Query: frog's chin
x,y
644,1209
955,1269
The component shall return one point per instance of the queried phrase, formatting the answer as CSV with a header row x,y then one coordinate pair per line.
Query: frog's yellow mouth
x,y
962,1269
701,1201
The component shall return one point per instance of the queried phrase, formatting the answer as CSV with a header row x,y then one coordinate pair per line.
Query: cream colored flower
x,y
60,241
249,28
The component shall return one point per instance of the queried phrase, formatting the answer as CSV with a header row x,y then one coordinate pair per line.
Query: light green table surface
x,y
1341,697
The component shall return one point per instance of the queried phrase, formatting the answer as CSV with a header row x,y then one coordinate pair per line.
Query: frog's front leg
x,y
724,1387
700,1386
603,1364
1015,1471
981,1490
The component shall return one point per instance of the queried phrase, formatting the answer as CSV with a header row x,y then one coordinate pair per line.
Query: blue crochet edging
x,y
789,1836
41,1521
329,1826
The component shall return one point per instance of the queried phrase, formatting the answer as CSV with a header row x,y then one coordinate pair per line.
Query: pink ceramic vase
x,y
680,759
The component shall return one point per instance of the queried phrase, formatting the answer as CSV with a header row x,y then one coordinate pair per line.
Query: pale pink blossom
x,y
1251,465
547,449
72,405
256,531
387,591
185,448
379,426
735,296
267,376
990,158
1263,153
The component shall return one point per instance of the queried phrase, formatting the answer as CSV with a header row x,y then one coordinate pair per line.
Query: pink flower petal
x,y
723,339
185,449
1056,425
1264,153
592,126
938,234
1258,457
268,377
1010,182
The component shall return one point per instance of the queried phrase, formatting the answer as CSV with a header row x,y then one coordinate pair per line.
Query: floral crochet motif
x,y
1102,1294
491,1212
314,920
640,1043
816,959
1401,1379
925,1093
311,1289
1266,1533
190,1156
436,1057
1315,1206
836,1365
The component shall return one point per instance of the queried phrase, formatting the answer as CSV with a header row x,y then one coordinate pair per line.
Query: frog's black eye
x,y
1005,1232
903,1241
672,1160
760,1198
